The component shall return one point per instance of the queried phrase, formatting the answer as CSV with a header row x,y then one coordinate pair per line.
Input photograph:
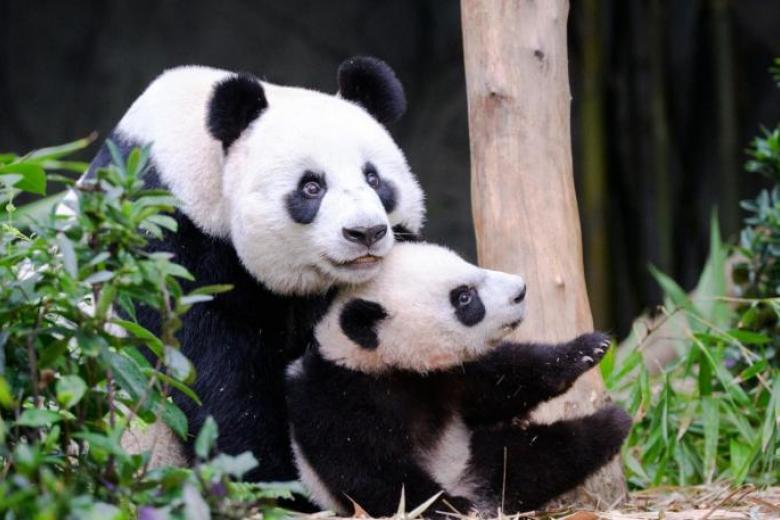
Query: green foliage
x,y
714,413
72,375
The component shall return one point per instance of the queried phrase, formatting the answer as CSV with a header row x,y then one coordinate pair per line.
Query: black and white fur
x,y
409,385
285,193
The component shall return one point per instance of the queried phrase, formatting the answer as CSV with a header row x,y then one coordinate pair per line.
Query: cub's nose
x,y
520,296
367,236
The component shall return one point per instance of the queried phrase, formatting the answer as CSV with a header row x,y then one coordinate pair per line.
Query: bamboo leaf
x,y
38,418
771,422
711,417
207,438
68,253
59,151
70,390
173,417
126,372
33,176
138,331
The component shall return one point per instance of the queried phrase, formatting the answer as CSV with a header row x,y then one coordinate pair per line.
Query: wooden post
x,y
522,185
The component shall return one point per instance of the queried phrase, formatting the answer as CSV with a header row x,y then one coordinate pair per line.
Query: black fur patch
x,y
359,319
235,103
303,209
372,84
385,189
471,313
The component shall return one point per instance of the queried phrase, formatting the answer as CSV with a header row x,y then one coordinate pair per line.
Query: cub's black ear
x,y
372,84
236,102
359,319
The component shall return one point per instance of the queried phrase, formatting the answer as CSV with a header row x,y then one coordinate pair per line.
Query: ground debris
x,y
713,502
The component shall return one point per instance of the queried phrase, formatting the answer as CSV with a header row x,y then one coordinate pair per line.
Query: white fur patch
x,y
421,331
295,369
317,489
447,461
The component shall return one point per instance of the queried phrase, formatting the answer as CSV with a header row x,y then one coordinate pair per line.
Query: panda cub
x,y
408,385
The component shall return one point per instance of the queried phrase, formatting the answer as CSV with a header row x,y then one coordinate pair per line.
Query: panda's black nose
x,y
520,296
365,235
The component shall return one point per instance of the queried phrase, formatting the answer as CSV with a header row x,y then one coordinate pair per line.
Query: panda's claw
x,y
592,347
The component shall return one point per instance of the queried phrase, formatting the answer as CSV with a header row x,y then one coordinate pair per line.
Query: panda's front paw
x,y
588,349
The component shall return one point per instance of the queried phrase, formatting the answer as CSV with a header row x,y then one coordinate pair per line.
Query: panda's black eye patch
x,y
383,187
359,319
303,203
469,308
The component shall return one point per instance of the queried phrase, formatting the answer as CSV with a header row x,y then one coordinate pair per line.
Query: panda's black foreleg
x,y
515,377
528,467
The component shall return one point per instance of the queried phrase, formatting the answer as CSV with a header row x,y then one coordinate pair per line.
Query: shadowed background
x,y
666,96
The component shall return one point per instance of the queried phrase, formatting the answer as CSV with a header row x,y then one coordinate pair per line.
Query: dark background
x,y
666,96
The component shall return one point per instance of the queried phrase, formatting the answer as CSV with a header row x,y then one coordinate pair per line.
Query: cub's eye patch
x,y
383,187
468,306
303,203
359,319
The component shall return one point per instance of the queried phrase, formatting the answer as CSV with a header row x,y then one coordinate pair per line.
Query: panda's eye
x,y
465,296
372,178
312,189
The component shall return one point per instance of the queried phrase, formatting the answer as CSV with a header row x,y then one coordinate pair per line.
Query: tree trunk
x,y
523,198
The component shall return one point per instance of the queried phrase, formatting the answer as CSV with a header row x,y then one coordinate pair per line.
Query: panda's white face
x,y
427,309
306,185
314,187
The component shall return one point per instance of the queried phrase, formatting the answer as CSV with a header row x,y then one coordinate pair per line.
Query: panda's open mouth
x,y
361,262
509,327
502,332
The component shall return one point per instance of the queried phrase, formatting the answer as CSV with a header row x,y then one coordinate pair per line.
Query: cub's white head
x,y
315,188
428,309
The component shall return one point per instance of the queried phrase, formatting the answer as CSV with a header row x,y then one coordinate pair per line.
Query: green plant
x,y
704,417
714,412
72,370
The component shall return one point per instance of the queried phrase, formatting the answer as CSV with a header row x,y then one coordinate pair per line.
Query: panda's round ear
x,y
235,103
372,84
359,319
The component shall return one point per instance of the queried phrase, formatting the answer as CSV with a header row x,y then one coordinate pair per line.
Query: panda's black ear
x,y
235,103
359,319
372,84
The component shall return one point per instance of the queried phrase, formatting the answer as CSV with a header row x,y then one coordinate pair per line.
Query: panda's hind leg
x,y
524,468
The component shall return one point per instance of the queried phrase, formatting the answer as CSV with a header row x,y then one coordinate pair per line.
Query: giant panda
x,y
409,386
285,193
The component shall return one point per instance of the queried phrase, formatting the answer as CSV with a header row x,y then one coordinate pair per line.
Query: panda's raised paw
x,y
590,348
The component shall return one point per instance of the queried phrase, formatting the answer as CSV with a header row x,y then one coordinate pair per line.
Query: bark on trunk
x,y
522,186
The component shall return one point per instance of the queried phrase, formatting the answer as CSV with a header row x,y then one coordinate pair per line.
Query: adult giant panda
x,y
285,193
409,386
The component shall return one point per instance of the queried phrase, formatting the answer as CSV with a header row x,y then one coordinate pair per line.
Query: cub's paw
x,y
588,349
610,426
